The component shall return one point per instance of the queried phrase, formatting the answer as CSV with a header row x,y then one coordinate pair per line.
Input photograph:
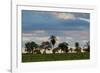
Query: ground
x,y
54,57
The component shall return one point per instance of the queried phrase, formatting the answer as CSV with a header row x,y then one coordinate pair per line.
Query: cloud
x,y
62,36
64,16
27,34
38,31
26,39
84,19
34,33
54,21
41,38
71,16
67,35
69,38
84,41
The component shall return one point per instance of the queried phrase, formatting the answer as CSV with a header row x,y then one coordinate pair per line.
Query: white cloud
x,y
41,38
64,16
67,16
84,41
37,39
69,38
38,31
58,39
25,39
34,33
84,19
26,34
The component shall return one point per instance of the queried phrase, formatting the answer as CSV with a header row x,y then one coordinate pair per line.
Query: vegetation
x,y
34,53
78,49
45,45
54,57
63,46
30,46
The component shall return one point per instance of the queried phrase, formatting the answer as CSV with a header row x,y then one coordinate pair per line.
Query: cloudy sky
x,y
68,27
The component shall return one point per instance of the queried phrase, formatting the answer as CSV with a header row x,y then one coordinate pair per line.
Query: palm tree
x,y
53,40
63,46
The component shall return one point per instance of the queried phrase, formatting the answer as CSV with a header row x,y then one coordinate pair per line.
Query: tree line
x,y
32,47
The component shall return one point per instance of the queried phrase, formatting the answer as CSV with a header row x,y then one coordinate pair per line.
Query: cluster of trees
x,y
32,47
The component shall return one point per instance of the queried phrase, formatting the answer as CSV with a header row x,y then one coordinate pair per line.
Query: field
x,y
54,57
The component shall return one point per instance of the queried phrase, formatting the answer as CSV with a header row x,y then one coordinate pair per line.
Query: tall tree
x,y
53,40
78,49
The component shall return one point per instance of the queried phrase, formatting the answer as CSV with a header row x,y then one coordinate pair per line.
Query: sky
x,y
68,27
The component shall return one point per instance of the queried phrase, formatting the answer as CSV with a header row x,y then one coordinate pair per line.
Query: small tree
x,y
45,45
71,50
28,47
33,46
87,47
63,46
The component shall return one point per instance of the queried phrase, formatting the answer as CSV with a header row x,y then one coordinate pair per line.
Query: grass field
x,y
54,57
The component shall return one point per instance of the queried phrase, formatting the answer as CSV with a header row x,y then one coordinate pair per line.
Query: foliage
x,y
63,46
78,49
53,40
30,46
54,57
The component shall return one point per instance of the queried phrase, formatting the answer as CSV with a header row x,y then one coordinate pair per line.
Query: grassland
x,y
54,57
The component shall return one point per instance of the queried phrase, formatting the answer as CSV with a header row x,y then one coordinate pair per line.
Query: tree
x,y
88,46
53,40
30,46
78,49
63,46
71,50
77,45
45,45
33,46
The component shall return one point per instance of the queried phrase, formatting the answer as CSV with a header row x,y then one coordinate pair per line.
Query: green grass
x,y
54,57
